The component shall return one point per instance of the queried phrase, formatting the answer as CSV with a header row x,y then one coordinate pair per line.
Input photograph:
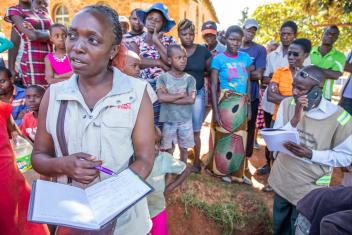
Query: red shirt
x,y
29,125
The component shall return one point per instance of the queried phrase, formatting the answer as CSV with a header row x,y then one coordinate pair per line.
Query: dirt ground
x,y
253,207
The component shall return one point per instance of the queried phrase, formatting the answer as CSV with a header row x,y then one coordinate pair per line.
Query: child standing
x,y
57,64
34,95
164,164
176,93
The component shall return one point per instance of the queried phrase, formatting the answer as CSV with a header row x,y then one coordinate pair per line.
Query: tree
x,y
244,17
311,16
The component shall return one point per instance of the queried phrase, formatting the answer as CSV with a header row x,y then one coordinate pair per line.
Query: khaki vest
x,y
291,178
105,133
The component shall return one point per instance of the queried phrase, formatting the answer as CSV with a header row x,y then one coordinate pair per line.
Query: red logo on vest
x,y
124,106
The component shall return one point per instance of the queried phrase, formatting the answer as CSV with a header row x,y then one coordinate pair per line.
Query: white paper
x,y
275,139
113,195
62,204
88,208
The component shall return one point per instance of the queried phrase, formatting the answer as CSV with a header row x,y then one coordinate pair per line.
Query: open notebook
x,y
90,208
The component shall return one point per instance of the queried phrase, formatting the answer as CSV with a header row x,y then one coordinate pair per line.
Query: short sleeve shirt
x,y
29,126
196,65
170,112
164,163
283,77
333,60
233,73
258,55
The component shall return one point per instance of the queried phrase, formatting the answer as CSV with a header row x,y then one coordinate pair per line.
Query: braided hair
x,y
112,16
185,24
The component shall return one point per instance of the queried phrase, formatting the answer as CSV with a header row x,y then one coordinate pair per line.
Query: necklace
x,y
59,59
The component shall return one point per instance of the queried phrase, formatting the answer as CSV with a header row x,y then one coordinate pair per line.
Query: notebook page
x,y
112,196
56,203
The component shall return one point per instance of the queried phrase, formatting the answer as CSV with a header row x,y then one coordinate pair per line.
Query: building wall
x,y
196,10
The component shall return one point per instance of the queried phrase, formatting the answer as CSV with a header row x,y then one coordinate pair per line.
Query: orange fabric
x,y
283,77
119,61
15,191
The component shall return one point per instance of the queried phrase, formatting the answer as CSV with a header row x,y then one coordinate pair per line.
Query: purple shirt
x,y
258,55
347,92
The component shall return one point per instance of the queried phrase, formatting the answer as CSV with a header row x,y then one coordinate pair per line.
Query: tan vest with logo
x,y
105,132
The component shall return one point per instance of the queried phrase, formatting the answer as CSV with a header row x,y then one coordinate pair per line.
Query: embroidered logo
x,y
124,106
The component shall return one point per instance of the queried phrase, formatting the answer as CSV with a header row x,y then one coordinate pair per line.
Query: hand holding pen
x,y
81,167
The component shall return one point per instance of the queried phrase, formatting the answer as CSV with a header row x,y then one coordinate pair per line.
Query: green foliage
x,y
311,17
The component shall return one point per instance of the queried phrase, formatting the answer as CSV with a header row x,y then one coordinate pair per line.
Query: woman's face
x,y
40,5
90,43
233,42
186,37
296,56
154,21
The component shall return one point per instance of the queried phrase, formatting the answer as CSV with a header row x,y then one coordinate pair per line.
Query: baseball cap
x,y
249,23
209,27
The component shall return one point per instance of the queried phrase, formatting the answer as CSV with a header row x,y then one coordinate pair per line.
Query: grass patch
x,y
223,214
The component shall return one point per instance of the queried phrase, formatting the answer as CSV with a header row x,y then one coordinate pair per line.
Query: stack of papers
x,y
275,139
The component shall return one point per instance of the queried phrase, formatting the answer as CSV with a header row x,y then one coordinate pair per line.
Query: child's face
x,y
58,37
178,59
233,42
33,98
132,66
5,84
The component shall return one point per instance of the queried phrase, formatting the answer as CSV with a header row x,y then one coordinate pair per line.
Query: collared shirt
x,y
333,60
347,91
18,103
339,156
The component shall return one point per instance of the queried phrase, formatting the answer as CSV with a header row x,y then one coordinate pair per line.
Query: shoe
x,y
227,179
264,170
256,145
246,180
267,188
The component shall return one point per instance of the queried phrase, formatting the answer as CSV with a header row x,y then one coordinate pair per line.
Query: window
x,y
61,15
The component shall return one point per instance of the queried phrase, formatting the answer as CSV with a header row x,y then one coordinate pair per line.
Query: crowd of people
x,y
119,92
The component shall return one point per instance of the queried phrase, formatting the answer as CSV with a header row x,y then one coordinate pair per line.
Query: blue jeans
x,y
198,110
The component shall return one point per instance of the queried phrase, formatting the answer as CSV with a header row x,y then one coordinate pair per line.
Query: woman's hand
x,y
28,25
81,167
157,36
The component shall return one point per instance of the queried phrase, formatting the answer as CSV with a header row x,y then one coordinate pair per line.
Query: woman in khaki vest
x,y
108,118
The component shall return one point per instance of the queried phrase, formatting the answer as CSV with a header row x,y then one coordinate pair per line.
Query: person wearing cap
x,y
124,24
257,53
328,58
325,135
152,46
210,32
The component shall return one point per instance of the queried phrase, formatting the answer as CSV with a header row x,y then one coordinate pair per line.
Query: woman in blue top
x,y
230,109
